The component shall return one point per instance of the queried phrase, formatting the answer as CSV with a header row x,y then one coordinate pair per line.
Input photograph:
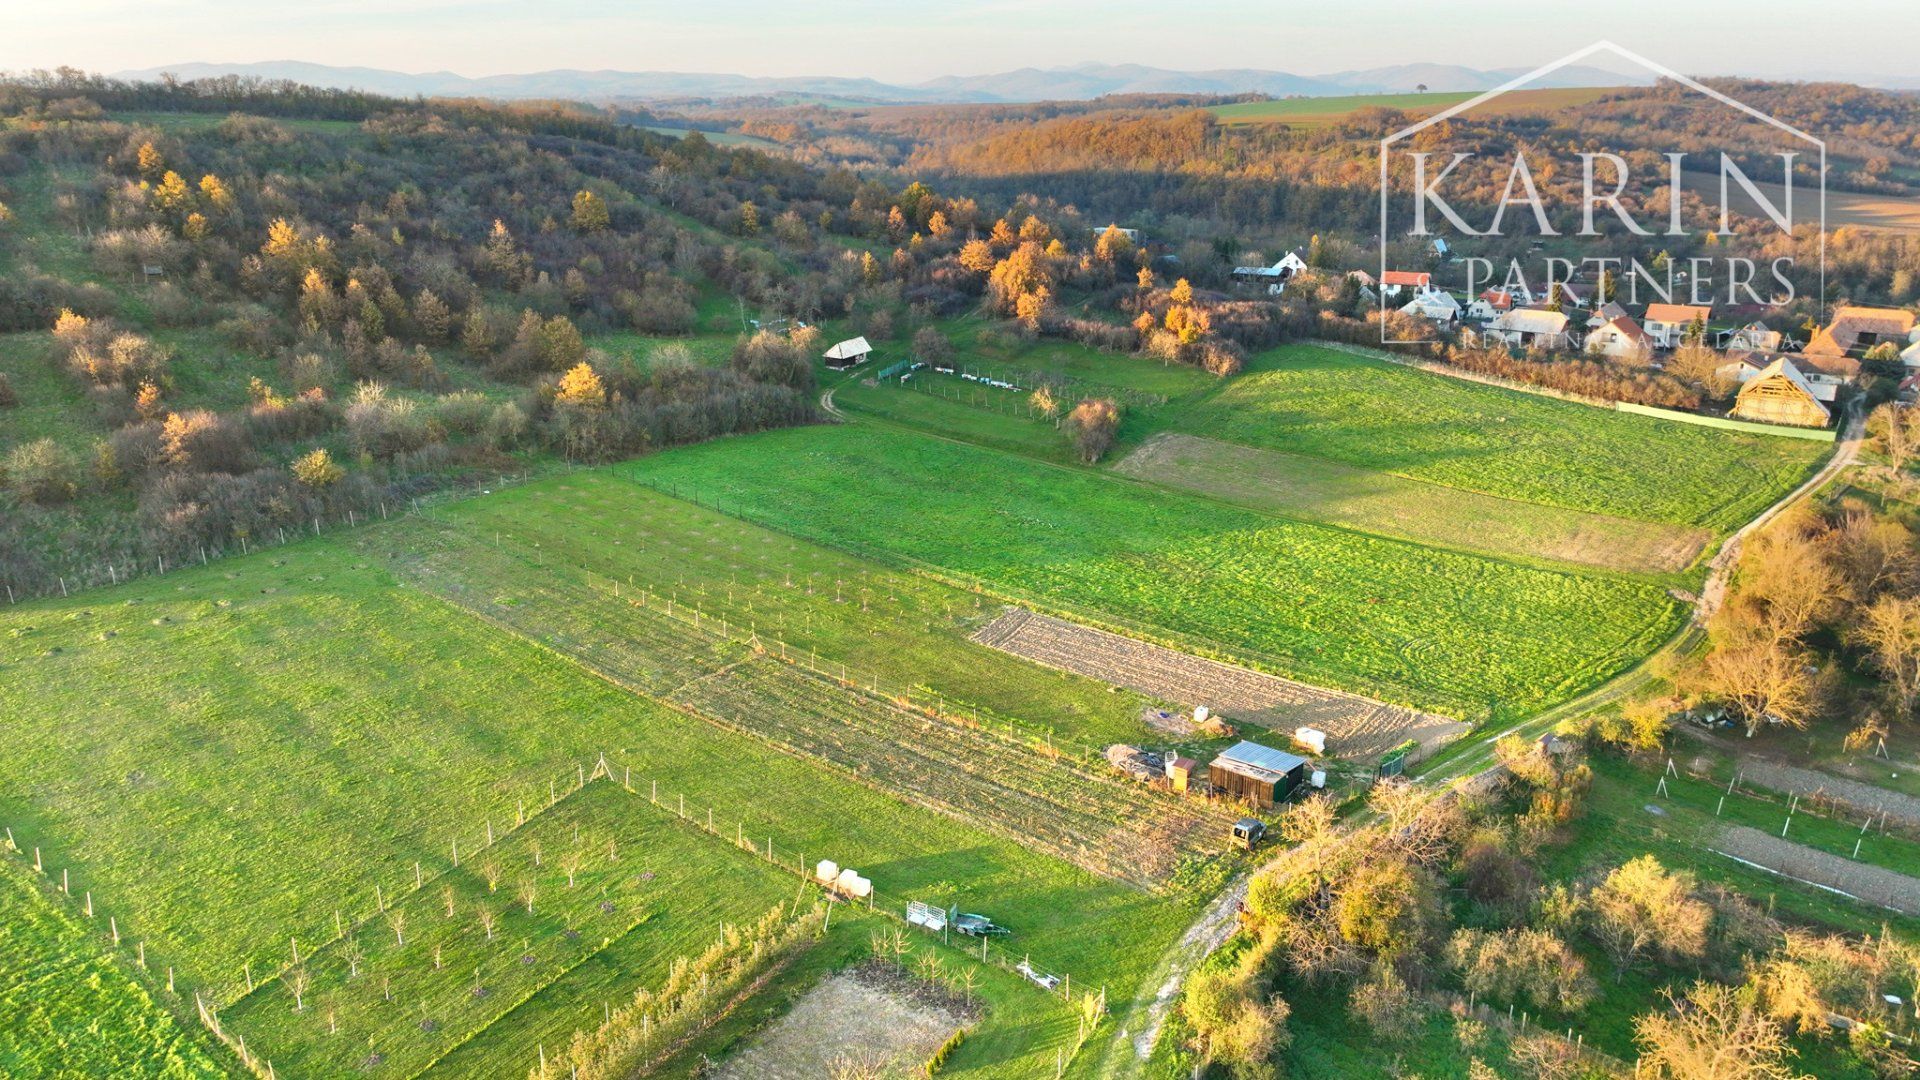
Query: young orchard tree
x,y
297,981
488,917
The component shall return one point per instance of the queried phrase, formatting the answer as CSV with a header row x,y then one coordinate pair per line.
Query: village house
x,y
1743,364
1855,329
1274,277
1393,282
1754,337
1780,394
1621,338
1437,306
1667,323
1490,305
1529,328
1605,314
1132,235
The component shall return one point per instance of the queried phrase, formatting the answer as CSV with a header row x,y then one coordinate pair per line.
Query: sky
x,y
906,41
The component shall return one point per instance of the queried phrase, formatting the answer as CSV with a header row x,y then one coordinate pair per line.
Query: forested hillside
x,y
229,309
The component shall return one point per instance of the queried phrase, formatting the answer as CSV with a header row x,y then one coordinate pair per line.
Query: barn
x,y
1779,394
848,353
1259,774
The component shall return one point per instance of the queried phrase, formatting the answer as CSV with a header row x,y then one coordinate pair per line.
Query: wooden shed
x,y
1779,394
848,353
1259,774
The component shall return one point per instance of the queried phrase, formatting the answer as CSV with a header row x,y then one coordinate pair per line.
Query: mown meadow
x,y
1312,400
1416,624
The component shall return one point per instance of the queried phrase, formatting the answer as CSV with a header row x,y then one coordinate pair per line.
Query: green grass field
x,y
647,889
1307,399
306,728
1317,489
71,1007
1331,606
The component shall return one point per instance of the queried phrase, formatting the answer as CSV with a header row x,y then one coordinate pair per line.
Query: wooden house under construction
x,y
1780,394
1258,774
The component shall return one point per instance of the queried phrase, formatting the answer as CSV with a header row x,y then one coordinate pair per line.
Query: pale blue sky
x,y
907,41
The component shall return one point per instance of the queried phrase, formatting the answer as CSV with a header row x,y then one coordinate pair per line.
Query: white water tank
x,y
827,871
1312,738
1200,714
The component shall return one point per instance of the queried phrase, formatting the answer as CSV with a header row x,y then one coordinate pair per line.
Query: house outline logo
x,y
1651,66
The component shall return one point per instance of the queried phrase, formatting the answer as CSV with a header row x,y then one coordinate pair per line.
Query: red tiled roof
x,y
1405,277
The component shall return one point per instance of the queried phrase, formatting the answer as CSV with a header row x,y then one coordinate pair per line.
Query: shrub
x,y
202,441
42,471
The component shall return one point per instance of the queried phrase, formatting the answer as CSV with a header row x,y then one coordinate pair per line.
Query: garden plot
x,y
859,1019
1355,726
1861,881
1011,783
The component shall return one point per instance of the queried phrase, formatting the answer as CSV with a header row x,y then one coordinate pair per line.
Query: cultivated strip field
x,y
1357,727
1311,400
1442,629
1873,884
936,759
1322,490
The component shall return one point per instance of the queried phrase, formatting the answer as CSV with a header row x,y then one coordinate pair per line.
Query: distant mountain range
x,y
1078,82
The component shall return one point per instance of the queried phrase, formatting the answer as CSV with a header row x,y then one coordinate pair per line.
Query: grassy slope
x,y
1331,606
1307,399
70,1008
903,629
302,729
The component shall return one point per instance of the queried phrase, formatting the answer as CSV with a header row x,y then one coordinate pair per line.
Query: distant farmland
x,y
1315,111
1888,213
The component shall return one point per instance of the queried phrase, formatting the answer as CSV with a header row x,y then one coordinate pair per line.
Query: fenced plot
x,y
1860,881
1007,782
1355,726
1796,781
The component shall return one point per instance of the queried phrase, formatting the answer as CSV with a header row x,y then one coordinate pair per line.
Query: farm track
x,y
1358,726
1006,784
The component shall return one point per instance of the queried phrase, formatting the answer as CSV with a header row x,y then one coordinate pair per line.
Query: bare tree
x,y
1892,427
488,917
397,918
570,865
297,981
490,873
354,955
527,892
1717,1034
1889,628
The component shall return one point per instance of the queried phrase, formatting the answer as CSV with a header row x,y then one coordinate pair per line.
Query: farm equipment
x,y
977,925
926,916
1248,832
1039,978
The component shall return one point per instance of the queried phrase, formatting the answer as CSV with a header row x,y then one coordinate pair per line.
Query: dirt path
x,y
1720,570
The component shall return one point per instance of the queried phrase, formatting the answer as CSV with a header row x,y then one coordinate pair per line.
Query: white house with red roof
x,y
1394,282
1490,305
1621,338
